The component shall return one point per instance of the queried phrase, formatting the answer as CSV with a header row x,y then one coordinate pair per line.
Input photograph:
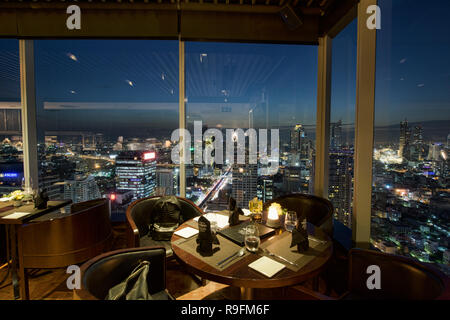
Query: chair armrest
x,y
133,235
305,293
171,297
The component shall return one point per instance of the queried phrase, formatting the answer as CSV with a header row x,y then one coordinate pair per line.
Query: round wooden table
x,y
240,275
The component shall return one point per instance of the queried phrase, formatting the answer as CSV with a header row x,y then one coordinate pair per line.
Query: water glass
x,y
290,220
252,240
212,217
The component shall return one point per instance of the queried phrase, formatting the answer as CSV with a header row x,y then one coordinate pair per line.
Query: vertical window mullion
x,y
28,100
364,126
323,117
182,116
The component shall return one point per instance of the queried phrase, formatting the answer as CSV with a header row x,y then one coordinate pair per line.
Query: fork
x,y
279,257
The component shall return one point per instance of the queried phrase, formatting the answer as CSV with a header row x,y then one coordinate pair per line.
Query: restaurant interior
x,y
109,193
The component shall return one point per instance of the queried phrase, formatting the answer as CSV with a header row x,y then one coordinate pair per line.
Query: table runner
x,y
280,245
227,248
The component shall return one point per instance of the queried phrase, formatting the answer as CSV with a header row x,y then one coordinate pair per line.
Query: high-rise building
x,y
434,152
165,179
418,135
405,136
340,185
265,188
300,144
136,171
82,188
244,183
336,135
297,135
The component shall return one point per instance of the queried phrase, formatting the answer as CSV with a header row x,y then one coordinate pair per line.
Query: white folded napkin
x,y
222,220
186,232
16,215
267,266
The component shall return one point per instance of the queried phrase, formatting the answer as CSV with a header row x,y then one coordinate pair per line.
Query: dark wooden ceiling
x,y
210,20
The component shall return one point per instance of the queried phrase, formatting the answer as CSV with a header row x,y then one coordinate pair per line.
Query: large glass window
x,y
251,86
106,110
11,153
342,124
411,177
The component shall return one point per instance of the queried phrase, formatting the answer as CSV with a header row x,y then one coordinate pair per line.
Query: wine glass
x,y
252,239
290,220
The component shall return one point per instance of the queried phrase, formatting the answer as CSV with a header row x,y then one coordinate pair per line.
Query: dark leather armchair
x,y
400,278
318,211
139,218
101,273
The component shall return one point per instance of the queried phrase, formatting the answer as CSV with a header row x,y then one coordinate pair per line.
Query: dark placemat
x,y
279,245
227,248
194,224
7,208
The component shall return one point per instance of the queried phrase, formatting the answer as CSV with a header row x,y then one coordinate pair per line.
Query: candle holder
x,y
273,216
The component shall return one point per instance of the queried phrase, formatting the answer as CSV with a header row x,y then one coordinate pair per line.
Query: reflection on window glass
x,y
105,111
250,87
342,124
411,186
11,156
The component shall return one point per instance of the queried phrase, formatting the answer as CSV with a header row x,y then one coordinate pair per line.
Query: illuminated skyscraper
x,y
418,135
265,188
405,135
245,179
297,135
336,135
136,171
340,188
82,188
166,179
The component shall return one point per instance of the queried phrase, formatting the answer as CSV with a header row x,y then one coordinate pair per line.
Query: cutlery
x,y
240,253
279,257
317,240
229,257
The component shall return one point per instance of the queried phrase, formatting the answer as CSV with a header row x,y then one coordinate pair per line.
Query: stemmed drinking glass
x,y
290,220
252,239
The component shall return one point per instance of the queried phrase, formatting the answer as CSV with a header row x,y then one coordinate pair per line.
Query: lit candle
x,y
273,220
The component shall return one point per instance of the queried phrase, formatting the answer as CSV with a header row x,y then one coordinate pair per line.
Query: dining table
x,y
14,217
232,264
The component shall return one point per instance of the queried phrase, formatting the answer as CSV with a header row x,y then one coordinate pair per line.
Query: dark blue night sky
x,y
114,86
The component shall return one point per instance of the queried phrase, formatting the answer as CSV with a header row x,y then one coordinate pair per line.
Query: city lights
x,y
149,155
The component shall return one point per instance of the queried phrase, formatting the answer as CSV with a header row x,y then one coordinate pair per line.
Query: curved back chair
x,y
62,239
400,277
318,211
101,273
139,218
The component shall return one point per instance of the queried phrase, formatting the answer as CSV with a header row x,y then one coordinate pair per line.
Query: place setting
x,y
221,240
